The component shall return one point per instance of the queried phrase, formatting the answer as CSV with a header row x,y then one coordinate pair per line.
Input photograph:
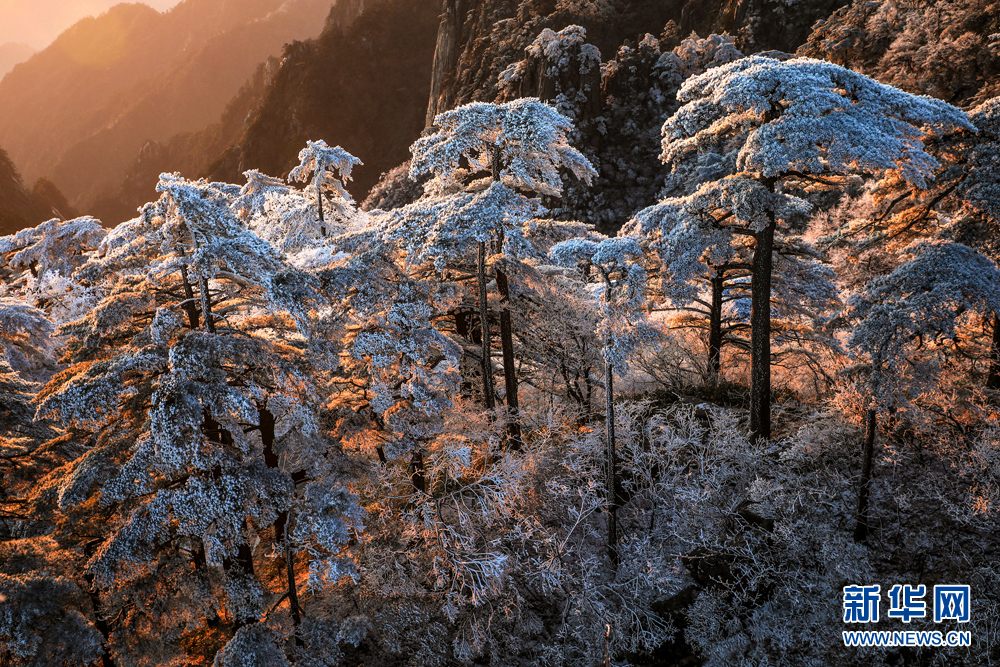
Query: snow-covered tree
x,y
707,272
804,120
920,304
36,264
523,145
622,292
195,375
56,245
329,170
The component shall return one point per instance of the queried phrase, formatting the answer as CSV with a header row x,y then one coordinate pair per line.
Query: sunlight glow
x,y
39,22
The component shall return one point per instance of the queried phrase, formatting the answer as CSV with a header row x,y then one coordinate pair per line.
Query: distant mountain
x,y
81,110
13,53
40,21
189,153
363,85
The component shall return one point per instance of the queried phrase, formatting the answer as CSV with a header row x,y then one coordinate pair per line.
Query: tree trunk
x,y
484,322
861,528
509,370
612,463
189,306
463,328
993,381
206,306
418,475
242,563
281,524
100,622
319,201
760,333
293,593
715,327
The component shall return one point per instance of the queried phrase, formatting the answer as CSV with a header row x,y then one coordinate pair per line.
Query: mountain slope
x,y
363,86
189,153
81,109
13,53
949,50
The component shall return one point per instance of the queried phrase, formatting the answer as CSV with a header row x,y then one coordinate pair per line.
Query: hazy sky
x,y
38,22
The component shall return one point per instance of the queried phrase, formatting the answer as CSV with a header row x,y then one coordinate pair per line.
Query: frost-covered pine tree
x,y
978,197
523,146
804,120
36,264
622,293
329,170
707,271
920,304
195,378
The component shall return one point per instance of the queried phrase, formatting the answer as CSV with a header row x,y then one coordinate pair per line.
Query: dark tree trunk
x,y
862,527
281,524
612,463
189,307
760,333
242,563
102,626
993,381
417,473
715,327
319,201
484,323
509,370
100,622
293,593
464,329
206,306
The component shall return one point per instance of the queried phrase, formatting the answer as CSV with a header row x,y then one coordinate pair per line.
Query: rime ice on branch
x,y
330,169
523,145
622,296
918,304
800,119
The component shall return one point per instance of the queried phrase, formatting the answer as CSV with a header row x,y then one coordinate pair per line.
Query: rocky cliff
x,y
479,40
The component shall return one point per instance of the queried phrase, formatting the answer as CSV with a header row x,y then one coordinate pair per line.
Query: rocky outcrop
x,y
947,50
477,41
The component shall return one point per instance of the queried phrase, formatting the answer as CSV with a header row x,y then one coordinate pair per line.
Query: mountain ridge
x,y
13,54
79,111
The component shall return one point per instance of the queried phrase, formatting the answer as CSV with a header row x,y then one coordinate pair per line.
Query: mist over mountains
x,y
80,111
215,87
38,22
13,53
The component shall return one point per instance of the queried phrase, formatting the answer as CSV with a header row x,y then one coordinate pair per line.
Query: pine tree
x,y
198,390
707,271
523,145
921,301
330,169
622,296
803,120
